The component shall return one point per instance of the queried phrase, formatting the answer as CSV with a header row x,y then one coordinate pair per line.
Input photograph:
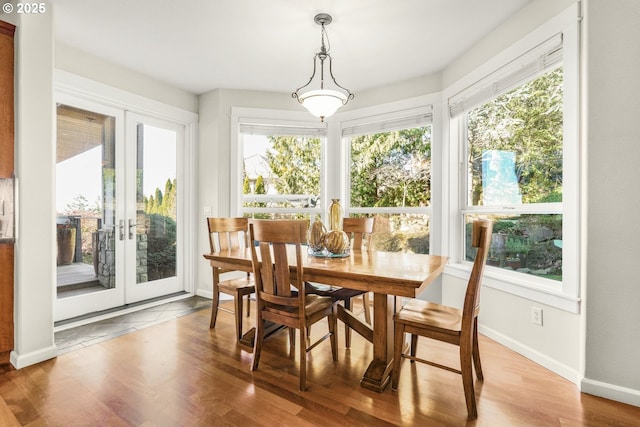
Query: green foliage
x,y
527,121
295,163
161,231
517,245
260,187
246,188
391,169
163,203
161,247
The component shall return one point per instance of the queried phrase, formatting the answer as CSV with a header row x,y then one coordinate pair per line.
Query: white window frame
x,y
565,295
267,118
399,120
379,118
83,91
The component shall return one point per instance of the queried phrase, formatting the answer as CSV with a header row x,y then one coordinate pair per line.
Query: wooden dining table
x,y
389,275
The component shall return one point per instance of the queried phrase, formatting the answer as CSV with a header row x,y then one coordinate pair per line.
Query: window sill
x,y
517,284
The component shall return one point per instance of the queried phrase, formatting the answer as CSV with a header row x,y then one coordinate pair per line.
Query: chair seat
x,y
234,285
314,304
425,314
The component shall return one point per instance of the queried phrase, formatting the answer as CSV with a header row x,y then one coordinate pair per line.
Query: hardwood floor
x,y
181,373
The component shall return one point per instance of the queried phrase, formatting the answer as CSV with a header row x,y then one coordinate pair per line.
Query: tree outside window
x,y
281,176
515,162
390,179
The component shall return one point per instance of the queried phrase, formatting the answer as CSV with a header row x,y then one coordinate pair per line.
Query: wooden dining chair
x,y
230,234
281,295
452,325
359,231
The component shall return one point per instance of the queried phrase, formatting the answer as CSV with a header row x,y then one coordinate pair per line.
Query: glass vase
x,y
335,215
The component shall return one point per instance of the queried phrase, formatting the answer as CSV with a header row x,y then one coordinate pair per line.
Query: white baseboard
x,y
611,391
533,355
205,293
20,361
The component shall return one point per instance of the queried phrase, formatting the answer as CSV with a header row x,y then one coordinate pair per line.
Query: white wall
x,y
612,350
506,318
35,157
87,65
214,160
520,24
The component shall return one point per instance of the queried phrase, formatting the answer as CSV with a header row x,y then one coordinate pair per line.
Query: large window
x,y
514,162
510,153
389,178
281,171
517,129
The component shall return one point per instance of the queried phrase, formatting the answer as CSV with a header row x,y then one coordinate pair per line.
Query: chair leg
x,y
333,329
303,359
292,342
237,302
257,347
476,351
248,305
467,379
398,343
414,346
367,307
214,306
347,329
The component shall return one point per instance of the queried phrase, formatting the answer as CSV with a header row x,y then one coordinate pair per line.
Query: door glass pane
x,y
156,207
85,201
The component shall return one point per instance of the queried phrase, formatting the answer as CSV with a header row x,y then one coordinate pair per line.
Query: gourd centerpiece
x,y
333,242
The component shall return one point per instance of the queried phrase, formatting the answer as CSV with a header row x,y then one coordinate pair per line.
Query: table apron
x,y
379,285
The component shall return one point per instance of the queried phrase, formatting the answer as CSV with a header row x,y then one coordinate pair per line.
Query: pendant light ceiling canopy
x,y
324,101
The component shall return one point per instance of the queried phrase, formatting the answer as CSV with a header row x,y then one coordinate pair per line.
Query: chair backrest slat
x,y
481,239
272,268
228,233
359,229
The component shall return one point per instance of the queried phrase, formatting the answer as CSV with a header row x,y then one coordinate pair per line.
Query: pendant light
x,y
324,101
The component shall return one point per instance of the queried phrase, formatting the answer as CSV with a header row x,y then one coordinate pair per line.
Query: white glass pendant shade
x,y
323,103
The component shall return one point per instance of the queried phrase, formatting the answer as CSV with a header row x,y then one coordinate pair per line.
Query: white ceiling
x,y
201,45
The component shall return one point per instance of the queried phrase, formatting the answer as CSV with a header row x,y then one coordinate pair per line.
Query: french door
x,y
119,207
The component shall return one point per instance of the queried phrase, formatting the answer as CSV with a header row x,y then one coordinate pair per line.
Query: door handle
x,y
120,228
131,225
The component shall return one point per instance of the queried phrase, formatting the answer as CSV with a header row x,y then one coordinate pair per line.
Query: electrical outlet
x,y
536,316
207,211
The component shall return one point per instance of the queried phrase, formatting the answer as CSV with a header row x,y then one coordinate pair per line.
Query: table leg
x,y
249,337
377,375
